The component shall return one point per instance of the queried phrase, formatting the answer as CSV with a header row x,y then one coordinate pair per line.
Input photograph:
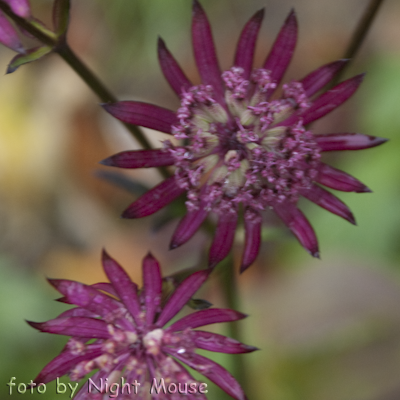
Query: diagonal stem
x,y
61,47
359,35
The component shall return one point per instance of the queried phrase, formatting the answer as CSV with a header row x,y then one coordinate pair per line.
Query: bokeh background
x,y
328,329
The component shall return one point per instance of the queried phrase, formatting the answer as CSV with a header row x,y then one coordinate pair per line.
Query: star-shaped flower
x,y
121,331
242,145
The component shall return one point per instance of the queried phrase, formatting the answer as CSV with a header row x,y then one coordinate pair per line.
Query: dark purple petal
x,y
206,317
252,227
20,7
282,50
105,287
214,372
347,141
85,296
331,99
155,199
171,69
317,79
9,36
339,180
142,114
125,288
152,286
63,363
74,326
181,296
204,51
295,220
223,238
327,200
221,344
187,227
140,159
247,43
77,312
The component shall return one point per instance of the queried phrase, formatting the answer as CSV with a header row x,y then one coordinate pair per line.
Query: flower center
x,y
238,151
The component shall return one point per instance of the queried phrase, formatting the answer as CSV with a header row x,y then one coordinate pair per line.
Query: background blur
x,y
328,329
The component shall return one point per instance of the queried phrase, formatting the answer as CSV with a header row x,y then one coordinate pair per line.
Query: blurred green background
x,y
328,329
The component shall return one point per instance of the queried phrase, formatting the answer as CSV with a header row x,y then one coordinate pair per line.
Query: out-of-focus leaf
x,y
121,181
199,304
170,283
31,55
61,16
9,36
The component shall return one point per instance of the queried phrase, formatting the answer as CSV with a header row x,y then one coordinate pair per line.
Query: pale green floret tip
x,y
217,113
237,178
209,162
219,174
247,118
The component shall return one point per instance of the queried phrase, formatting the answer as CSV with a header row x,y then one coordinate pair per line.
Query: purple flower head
x,y
121,331
241,144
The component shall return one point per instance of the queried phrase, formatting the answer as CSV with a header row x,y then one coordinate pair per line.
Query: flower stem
x,y
61,47
359,35
232,299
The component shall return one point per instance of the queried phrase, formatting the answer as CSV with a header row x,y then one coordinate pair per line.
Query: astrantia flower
x,y
241,145
121,332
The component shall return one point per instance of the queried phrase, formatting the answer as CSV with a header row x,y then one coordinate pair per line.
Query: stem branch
x,y
61,47
359,35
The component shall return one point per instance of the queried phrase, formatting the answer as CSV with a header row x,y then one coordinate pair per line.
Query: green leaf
x,y
61,16
31,55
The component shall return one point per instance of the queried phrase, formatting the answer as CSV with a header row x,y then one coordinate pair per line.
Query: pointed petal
x,y
339,180
223,238
9,36
142,114
204,51
181,296
155,199
152,287
295,220
282,50
211,370
187,227
74,326
85,296
140,159
105,287
77,312
219,343
331,99
206,317
125,288
347,141
171,69
252,227
63,363
247,43
327,200
317,79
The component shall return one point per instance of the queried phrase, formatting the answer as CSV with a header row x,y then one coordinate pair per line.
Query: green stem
x,y
359,35
60,46
232,299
